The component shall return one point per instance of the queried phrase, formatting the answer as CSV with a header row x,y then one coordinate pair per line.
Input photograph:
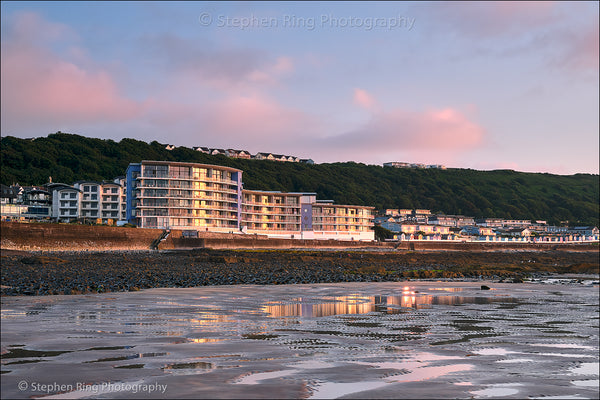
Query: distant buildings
x,y
397,164
416,223
232,153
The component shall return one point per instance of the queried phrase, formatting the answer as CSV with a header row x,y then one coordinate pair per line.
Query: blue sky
x,y
489,85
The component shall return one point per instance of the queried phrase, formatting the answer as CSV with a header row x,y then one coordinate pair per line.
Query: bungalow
x,y
280,157
472,230
218,152
490,222
452,220
519,232
584,230
238,153
307,161
424,228
169,146
205,150
264,156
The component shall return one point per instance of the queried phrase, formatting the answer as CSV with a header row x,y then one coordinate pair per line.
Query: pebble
x,y
100,272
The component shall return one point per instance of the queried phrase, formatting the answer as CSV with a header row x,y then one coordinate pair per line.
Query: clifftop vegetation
x,y
501,193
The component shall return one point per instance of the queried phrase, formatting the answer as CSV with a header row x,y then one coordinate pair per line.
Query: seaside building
x,y
66,202
162,194
342,222
190,196
275,212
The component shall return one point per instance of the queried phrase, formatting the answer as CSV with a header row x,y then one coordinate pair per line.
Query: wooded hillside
x,y
501,193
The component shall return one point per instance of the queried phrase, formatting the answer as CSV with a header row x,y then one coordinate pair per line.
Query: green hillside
x,y
501,193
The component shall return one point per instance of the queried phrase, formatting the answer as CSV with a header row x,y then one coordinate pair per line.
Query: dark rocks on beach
x,y
99,272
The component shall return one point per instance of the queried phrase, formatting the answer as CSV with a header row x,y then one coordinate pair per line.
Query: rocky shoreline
x,y
54,273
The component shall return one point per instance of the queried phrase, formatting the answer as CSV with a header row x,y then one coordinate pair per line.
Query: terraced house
x,y
190,196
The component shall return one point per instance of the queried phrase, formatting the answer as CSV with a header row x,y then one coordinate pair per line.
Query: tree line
x,y
500,193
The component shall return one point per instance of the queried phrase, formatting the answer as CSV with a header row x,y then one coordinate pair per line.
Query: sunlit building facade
x,y
176,195
190,196
342,222
275,212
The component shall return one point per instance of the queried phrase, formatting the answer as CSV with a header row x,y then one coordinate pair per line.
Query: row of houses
x,y
85,201
233,153
424,222
190,197
397,164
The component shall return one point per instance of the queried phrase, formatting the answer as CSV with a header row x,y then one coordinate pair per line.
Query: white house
x,y
66,201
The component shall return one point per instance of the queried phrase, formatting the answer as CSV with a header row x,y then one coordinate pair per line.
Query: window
x,y
94,188
86,188
94,197
72,195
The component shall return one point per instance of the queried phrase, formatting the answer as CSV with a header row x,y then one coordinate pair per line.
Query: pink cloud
x,y
446,129
283,65
255,122
363,99
255,118
38,88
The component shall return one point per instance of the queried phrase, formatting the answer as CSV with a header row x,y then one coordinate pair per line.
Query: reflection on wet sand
x,y
356,304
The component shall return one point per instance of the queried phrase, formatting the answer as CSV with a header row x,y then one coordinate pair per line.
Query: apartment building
x,y
110,202
190,196
66,202
180,195
275,212
100,201
342,222
90,199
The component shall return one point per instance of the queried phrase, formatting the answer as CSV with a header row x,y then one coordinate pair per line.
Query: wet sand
x,y
351,340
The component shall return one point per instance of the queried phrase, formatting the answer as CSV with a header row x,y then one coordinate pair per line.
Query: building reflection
x,y
355,304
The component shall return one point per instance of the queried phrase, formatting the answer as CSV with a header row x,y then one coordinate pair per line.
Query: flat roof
x,y
341,205
189,164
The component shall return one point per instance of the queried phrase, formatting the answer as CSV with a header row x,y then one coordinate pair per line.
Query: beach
x,y
425,339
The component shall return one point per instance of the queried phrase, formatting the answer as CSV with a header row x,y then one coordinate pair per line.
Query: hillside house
x,y
218,152
238,154
473,230
264,156
584,230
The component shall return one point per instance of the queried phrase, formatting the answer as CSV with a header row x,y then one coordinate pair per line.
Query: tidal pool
x,y
419,339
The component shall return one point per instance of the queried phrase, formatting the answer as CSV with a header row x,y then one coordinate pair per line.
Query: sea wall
x,y
72,237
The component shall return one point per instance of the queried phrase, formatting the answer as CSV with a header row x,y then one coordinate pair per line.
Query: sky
x,y
490,85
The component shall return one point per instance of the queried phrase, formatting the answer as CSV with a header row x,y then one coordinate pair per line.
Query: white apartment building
x,y
66,202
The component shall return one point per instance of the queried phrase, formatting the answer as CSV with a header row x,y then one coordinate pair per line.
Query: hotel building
x,y
190,196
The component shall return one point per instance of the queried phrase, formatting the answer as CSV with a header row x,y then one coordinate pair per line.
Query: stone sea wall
x,y
72,237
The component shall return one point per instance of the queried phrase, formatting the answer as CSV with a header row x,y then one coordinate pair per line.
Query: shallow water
x,y
382,340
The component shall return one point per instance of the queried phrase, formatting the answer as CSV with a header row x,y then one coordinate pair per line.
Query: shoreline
x,y
80,272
